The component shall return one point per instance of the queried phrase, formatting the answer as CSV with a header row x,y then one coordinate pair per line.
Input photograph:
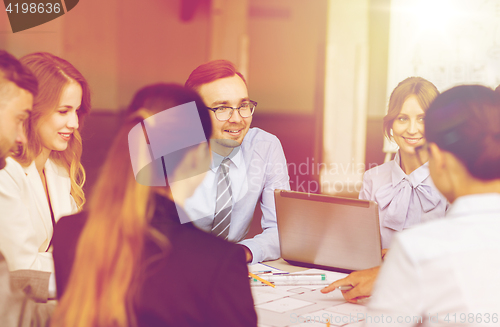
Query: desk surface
x,y
303,305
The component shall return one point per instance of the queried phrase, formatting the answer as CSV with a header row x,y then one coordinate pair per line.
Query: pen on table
x,y
295,277
263,272
260,279
293,280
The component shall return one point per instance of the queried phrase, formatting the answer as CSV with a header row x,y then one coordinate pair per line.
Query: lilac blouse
x,y
403,200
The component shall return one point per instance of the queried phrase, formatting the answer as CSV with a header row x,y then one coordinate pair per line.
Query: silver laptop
x,y
328,232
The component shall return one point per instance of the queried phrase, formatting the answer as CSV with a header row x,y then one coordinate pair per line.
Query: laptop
x,y
328,232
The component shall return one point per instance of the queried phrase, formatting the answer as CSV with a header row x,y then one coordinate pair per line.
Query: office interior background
x,y
321,70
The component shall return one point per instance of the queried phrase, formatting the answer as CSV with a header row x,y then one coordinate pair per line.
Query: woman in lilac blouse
x,y
402,187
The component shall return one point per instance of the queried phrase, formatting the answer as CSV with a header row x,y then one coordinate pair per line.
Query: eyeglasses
x,y
246,109
422,152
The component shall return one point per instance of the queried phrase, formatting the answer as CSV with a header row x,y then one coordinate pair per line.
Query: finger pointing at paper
x,y
361,281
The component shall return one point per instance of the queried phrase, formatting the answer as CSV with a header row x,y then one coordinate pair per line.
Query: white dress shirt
x,y
444,270
403,200
25,220
256,169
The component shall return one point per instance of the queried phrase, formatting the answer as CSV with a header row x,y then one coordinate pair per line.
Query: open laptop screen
x,y
328,232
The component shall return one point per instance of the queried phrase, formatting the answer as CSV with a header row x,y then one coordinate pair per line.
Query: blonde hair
x,y
105,274
54,74
99,288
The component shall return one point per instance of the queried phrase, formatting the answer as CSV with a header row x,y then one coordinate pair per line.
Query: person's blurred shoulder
x,y
205,246
70,226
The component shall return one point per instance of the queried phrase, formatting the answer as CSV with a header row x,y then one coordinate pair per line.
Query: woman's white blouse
x,y
25,220
445,272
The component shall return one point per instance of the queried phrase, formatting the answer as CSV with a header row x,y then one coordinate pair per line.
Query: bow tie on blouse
x,y
396,200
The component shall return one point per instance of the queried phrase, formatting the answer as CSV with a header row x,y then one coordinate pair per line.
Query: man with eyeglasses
x,y
248,165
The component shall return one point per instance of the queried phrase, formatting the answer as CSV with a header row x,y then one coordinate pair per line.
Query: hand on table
x,y
362,282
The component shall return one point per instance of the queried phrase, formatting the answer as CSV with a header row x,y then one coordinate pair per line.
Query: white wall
x,y
286,38
448,42
120,45
345,96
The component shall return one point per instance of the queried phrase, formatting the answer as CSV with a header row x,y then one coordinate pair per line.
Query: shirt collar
x,y
31,169
48,167
235,156
415,178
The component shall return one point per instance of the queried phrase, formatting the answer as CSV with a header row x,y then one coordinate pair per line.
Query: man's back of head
x,y
11,70
18,86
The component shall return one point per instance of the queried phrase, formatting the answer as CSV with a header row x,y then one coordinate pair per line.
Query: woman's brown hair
x,y
422,89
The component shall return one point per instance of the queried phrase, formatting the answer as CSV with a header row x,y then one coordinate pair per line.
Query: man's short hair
x,y
211,71
13,71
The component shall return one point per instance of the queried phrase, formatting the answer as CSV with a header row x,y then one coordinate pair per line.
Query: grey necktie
x,y
224,203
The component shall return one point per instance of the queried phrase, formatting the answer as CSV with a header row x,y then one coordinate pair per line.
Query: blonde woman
x,y
129,261
43,180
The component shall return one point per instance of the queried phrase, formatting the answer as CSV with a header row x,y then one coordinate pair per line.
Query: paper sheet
x,y
292,305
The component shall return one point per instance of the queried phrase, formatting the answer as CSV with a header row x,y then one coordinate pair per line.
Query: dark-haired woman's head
x,y
405,117
153,123
158,97
464,122
176,121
